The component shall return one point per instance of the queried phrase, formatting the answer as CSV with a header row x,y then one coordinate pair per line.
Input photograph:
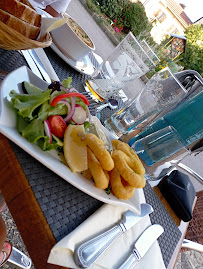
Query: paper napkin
x,y
103,219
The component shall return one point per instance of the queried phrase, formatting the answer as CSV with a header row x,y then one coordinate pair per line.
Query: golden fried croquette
x,y
100,176
99,150
124,166
120,190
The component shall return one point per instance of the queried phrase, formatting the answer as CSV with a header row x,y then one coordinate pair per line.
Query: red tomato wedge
x,y
70,94
57,125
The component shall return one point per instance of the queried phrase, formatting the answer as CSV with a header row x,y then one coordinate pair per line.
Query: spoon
x,y
112,103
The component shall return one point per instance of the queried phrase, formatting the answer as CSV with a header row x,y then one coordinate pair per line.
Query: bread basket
x,y
13,40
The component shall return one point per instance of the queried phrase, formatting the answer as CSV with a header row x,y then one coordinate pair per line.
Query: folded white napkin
x,y
103,219
49,24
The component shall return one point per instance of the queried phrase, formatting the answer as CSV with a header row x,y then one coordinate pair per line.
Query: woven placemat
x,y
169,239
63,205
11,60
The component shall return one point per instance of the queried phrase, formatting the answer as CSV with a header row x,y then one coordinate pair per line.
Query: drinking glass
x,y
127,62
161,91
158,146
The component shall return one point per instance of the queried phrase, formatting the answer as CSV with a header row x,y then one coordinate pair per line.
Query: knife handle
x,y
89,251
131,260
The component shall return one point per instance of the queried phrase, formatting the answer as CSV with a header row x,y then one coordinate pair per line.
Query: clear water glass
x,y
158,146
161,91
127,62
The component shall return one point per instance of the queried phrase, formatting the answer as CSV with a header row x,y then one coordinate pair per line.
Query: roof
x,y
178,12
179,36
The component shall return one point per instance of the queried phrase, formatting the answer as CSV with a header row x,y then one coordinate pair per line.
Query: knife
x,y
39,65
142,245
89,251
46,63
31,63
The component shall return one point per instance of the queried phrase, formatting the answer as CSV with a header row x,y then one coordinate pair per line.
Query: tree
x,y
194,49
130,15
135,18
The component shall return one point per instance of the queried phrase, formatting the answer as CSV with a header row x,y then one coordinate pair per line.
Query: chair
x,y
177,164
194,235
16,257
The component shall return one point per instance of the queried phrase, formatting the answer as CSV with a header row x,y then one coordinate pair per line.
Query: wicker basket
x,y
13,40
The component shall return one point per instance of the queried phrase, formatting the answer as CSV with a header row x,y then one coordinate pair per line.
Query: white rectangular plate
x,y
50,159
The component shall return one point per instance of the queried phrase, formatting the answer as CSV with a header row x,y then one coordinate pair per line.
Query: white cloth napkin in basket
x,y
103,219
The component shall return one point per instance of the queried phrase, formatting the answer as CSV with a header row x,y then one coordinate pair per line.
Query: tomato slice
x,y
69,94
57,125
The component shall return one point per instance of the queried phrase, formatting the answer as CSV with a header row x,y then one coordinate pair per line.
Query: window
x,y
161,17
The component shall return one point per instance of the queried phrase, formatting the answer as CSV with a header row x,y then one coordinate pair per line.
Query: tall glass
x,y
127,62
161,91
158,146
186,118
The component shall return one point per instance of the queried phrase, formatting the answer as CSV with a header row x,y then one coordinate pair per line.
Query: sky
x,y
194,8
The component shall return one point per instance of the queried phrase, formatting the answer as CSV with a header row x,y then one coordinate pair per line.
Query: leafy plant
x,y
135,18
194,49
130,15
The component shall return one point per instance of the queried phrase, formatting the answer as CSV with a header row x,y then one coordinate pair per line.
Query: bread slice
x,y
26,2
21,11
20,26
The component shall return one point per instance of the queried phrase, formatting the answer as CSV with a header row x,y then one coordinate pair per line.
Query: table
x,y
44,206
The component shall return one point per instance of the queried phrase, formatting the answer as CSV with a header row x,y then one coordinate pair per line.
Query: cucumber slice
x,y
59,142
30,88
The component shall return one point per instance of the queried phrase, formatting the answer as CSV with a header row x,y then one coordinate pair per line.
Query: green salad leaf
x,y
33,109
27,103
67,82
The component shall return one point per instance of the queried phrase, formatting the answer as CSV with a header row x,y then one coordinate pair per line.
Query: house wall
x,y
163,20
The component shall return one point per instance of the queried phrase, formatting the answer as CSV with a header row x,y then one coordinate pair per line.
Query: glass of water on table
x,y
160,92
127,62
158,146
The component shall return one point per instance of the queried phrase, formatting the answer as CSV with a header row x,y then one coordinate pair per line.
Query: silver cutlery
x,y
46,64
89,251
39,65
19,259
112,103
142,245
31,63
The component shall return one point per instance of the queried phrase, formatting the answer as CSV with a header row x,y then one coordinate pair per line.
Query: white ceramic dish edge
x,y
49,159
83,65
66,39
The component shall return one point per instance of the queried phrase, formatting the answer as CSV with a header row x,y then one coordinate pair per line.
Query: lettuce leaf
x,y
34,130
27,103
67,82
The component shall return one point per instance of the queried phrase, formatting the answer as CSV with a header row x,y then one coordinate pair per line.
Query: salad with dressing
x,y
43,116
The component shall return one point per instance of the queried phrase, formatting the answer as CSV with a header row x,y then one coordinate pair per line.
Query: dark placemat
x,y
11,60
65,207
169,239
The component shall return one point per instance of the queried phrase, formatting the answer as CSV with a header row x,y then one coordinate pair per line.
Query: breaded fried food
x,y
100,176
99,150
136,164
125,168
120,190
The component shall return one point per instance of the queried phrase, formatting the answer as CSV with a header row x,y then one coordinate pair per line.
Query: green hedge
x,y
194,48
131,16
